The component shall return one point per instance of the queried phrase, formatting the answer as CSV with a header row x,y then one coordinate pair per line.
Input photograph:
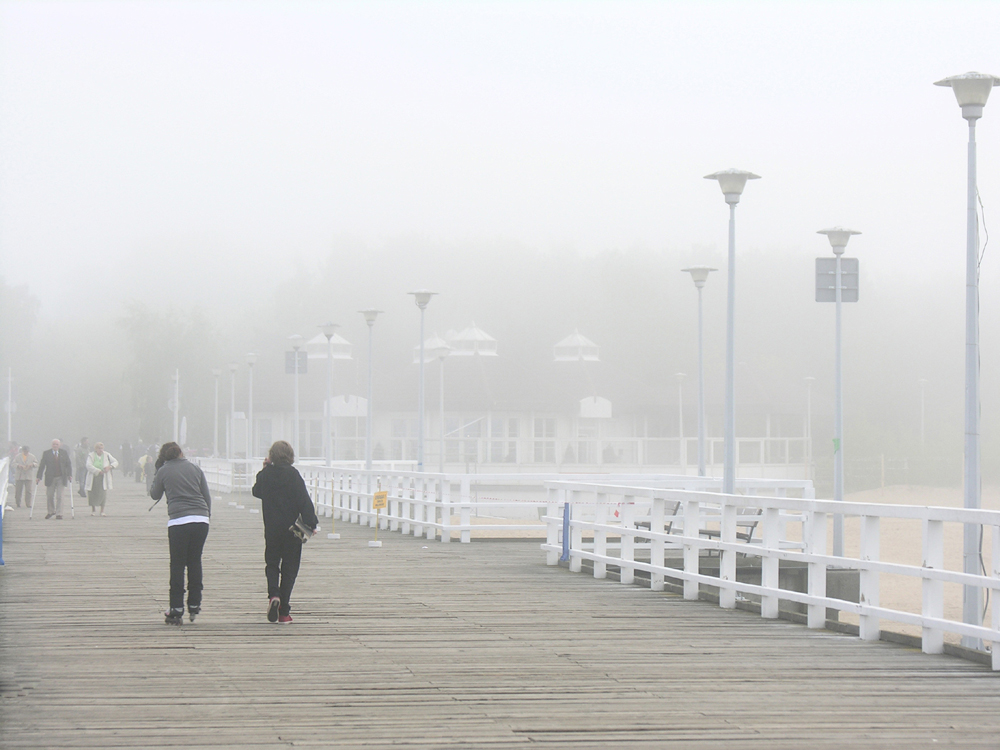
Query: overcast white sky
x,y
217,134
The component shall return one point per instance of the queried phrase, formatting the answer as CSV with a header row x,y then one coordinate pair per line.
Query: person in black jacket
x,y
284,498
58,473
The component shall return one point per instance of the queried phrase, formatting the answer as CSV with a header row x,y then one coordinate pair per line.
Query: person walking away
x,y
23,467
127,461
99,466
284,498
189,508
55,467
149,468
80,453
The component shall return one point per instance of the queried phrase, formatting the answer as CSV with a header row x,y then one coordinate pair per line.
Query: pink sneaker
x,y
285,619
272,609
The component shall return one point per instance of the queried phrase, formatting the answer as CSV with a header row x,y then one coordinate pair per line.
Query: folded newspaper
x,y
300,529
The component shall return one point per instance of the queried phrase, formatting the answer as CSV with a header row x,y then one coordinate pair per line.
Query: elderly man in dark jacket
x,y
284,498
55,467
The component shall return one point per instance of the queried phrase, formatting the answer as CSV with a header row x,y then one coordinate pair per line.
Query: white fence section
x,y
4,469
656,521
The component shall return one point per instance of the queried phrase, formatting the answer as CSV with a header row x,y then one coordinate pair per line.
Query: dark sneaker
x,y
173,616
48,516
192,611
272,609
285,619
58,518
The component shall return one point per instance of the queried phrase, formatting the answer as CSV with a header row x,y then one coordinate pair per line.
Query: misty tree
x,y
160,342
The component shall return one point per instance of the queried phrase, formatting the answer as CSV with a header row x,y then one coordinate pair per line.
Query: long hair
x,y
168,452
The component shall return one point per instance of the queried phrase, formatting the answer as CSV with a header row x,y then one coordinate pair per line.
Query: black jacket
x,y
283,497
51,467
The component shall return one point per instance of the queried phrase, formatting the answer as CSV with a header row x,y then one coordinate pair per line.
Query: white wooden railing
x,y
4,468
677,520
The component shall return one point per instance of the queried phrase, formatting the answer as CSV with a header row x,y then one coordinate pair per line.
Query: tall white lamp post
x,y
231,437
215,422
251,447
971,90
923,385
680,420
10,403
732,182
328,330
421,297
699,274
838,237
370,316
440,351
809,426
296,341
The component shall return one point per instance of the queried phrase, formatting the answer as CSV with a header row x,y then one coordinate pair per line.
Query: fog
x,y
182,183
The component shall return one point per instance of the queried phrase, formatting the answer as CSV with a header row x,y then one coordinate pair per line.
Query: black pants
x,y
186,544
282,556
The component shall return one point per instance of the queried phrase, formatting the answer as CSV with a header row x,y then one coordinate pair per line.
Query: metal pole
x,y
729,463
215,421
368,424
441,458
297,431
420,400
328,439
231,437
922,383
177,404
250,445
10,403
680,422
701,393
838,425
809,428
972,607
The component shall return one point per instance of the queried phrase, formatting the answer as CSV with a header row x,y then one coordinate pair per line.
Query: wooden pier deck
x,y
427,645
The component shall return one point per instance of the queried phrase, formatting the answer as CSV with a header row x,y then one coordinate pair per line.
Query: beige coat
x,y
24,466
93,472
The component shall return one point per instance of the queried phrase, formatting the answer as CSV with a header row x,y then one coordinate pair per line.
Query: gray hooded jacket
x,y
185,486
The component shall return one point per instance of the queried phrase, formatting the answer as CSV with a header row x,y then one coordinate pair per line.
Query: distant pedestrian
x,y
24,466
80,453
284,500
189,507
55,467
128,463
99,466
149,467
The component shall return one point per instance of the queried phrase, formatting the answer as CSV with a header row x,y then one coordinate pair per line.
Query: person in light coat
x,y
25,464
99,466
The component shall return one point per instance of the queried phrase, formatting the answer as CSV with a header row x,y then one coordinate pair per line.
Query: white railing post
x,y
600,535
656,557
465,513
815,544
419,506
727,558
691,549
575,539
405,504
868,625
552,536
771,543
627,540
995,599
445,509
932,639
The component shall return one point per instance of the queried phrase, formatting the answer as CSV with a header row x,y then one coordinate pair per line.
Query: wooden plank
x,y
426,644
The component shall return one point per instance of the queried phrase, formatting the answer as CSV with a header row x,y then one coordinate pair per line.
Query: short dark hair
x,y
281,452
168,452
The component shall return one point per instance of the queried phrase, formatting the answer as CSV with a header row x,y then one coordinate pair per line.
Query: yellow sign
x,y
379,500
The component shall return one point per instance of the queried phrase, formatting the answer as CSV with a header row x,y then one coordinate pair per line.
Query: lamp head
x,y
422,297
838,237
370,316
251,358
680,376
732,182
699,274
233,367
971,90
296,341
216,371
329,329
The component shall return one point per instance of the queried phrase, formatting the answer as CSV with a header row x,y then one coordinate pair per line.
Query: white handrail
x,y
678,520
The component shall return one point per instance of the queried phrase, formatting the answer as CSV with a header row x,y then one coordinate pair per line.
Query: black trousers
x,y
282,556
186,543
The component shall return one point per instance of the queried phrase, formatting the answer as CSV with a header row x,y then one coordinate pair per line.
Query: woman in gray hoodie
x,y
189,507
